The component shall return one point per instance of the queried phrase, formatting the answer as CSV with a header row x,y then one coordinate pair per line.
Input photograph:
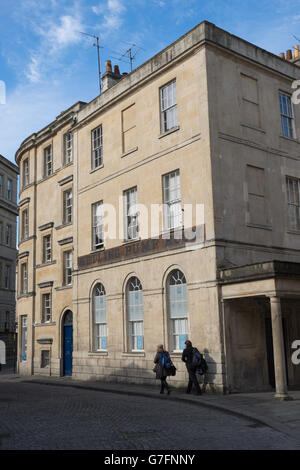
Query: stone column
x,y
279,352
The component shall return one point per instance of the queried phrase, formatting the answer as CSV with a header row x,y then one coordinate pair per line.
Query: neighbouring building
x,y
209,120
8,255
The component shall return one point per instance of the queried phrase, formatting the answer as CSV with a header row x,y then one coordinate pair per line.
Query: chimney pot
x,y
282,55
108,66
117,70
289,55
297,51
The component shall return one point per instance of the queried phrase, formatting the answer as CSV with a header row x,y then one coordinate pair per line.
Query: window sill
x,y
170,131
98,354
64,225
134,354
69,286
263,227
293,232
42,265
25,296
291,139
127,242
96,169
97,250
46,323
254,128
129,152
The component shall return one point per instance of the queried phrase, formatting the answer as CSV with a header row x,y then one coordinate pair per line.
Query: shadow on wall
x,y
133,373
207,380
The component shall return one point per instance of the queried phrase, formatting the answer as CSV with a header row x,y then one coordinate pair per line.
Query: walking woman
x,y
162,367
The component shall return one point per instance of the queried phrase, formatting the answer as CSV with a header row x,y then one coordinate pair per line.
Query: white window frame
x,y
293,200
26,172
48,164
168,107
68,206
178,324
100,327
172,202
67,274
47,248
25,224
46,307
68,148
97,225
135,326
24,278
131,221
287,116
97,147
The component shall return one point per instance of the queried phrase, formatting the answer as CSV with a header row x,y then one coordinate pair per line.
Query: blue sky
x,y
47,65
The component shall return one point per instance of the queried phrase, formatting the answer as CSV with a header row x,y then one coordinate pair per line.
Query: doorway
x,y
67,343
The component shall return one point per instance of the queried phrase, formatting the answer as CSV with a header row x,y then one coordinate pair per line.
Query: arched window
x,y
135,315
99,315
177,309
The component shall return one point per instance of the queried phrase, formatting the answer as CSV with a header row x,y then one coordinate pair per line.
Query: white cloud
x,y
112,13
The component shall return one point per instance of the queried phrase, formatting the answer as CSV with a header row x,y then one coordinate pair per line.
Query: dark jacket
x,y
187,357
161,372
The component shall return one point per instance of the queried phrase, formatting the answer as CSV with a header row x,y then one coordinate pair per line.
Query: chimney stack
x,y
282,55
110,77
289,55
297,51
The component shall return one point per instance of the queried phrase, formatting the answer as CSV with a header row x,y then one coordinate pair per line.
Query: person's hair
x,y
188,343
160,348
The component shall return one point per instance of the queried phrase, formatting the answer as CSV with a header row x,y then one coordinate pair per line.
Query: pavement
x,y
259,410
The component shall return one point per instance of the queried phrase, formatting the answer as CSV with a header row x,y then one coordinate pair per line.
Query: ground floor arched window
x,y
177,309
99,318
135,314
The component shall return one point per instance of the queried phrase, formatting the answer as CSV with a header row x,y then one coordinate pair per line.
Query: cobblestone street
x,y
38,416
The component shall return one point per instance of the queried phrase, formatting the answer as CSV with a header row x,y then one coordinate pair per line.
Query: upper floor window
x,y
68,147
99,313
7,277
48,161
98,236
1,185
24,278
172,200
131,214
287,117
67,274
46,308
47,252
68,204
1,232
25,224
97,147
168,106
26,172
135,315
9,189
8,235
293,197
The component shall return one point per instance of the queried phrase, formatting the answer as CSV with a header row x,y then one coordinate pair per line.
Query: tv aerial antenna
x,y
97,45
129,54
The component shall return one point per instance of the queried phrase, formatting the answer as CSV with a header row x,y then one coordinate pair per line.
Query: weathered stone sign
x,y
170,241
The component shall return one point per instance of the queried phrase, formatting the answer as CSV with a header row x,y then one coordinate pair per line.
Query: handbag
x,y
173,370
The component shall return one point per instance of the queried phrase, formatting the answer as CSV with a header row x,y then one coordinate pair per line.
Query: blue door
x,y
68,343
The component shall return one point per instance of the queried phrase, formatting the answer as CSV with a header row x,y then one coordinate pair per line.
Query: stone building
x,y
207,121
8,255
